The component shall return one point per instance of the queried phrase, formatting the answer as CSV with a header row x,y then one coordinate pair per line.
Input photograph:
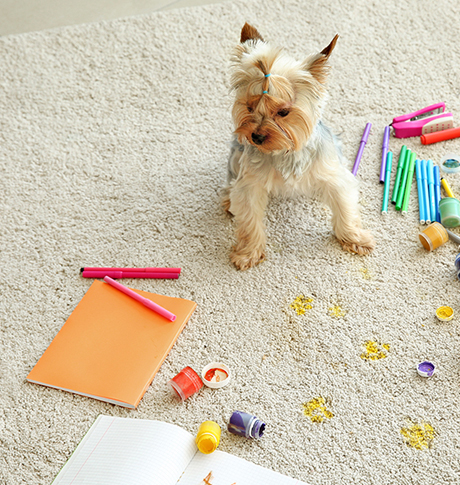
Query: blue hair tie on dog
x,y
267,75
265,92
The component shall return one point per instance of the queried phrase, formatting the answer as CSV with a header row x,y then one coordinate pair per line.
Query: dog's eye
x,y
283,112
250,110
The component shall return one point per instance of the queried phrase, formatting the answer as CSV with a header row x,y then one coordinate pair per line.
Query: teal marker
x,y
386,188
402,158
402,186
410,176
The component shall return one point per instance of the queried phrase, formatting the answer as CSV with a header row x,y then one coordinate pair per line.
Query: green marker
x,y
402,158
402,185
410,176
386,188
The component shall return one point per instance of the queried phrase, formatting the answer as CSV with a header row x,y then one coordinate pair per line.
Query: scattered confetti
x,y
315,409
336,312
366,274
374,351
301,304
419,436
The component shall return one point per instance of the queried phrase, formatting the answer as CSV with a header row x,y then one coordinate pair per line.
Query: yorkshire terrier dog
x,y
281,146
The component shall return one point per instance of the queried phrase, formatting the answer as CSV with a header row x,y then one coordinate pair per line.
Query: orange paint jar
x,y
433,236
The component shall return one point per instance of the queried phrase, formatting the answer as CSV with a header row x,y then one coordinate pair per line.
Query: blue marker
x,y
421,197
429,173
437,191
426,197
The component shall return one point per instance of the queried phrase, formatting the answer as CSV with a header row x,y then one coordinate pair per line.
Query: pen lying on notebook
x,y
163,273
145,301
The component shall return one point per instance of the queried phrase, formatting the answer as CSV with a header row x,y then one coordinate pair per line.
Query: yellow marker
x,y
208,437
446,187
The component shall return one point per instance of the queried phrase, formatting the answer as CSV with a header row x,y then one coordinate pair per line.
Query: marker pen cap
x,y
244,424
186,383
208,437
449,209
433,236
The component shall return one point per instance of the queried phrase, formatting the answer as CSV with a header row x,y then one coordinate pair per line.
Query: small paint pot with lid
x,y
426,369
247,425
433,236
208,437
186,383
449,210
445,313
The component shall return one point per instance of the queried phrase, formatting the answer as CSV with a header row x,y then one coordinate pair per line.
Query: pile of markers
x,y
428,185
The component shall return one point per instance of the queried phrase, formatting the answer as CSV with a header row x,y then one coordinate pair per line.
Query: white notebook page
x,y
124,451
230,470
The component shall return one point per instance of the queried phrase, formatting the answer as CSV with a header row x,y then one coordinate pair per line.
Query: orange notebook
x,y
111,346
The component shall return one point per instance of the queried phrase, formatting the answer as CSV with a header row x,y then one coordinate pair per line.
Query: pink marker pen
x,y
145,301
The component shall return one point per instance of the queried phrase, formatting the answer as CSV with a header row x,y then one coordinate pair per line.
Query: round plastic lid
x,y
216,385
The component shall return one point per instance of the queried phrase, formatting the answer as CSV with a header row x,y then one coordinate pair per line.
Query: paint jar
x,y
426,369
445,313
433,236
244,424
186,383
208,437
449,209
457,262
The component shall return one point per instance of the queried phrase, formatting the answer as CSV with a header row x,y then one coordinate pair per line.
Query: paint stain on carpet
x,y
316,410
336,312
365,273
301,304
419,436
374,350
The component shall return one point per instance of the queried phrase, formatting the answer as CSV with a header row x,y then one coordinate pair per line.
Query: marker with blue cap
x,y
430,178
426,198
437,191
421,205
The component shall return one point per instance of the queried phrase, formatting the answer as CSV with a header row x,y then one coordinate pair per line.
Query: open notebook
x,y
111,346
121,451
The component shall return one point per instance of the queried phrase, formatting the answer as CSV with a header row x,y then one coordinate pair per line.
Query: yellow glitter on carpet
x,y
301,304
419,436
366,273
336,312
374,351
315,409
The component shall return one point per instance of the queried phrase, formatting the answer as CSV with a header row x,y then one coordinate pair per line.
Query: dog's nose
x,y
258,139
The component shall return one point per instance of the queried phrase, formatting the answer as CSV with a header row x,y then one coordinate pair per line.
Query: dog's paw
x,y
363,243
244,260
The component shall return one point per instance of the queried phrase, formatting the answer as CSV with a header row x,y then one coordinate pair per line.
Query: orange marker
x,y
440,136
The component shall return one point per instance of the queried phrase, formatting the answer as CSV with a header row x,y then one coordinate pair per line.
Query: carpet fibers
x,y
114,139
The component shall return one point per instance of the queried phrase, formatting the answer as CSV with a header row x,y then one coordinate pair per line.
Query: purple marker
x,y
244,424
386,141
361,148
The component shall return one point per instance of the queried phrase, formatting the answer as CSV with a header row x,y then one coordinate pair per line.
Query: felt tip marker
x,y
386,188
437,191
418,175
426,197
447,188
429,173
410,176
402,187
128,274
362,144
399,169
386,141
145,301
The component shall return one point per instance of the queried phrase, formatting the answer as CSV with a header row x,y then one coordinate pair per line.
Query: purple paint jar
x,y
244,424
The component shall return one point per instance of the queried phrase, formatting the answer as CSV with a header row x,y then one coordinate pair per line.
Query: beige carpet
x,y
113,147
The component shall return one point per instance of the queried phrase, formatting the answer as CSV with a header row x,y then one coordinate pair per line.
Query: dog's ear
x,y
317,64
248,32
